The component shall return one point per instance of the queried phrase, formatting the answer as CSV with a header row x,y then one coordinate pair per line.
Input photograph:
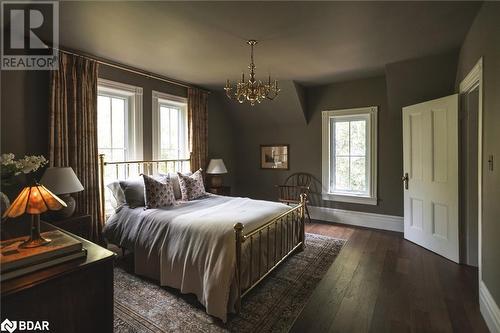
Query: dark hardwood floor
x,y
383,283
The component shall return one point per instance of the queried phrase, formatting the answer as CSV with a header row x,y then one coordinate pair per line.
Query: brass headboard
x,y
124,169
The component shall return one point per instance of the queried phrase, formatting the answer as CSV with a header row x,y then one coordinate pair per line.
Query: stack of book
x,y
16,261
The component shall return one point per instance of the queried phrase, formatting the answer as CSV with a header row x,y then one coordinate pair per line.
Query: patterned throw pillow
x,y
158,194
191,186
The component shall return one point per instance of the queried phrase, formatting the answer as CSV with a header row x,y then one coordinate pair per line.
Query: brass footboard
x,y
289,226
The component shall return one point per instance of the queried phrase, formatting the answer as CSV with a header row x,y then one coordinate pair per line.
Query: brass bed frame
x,y
289,225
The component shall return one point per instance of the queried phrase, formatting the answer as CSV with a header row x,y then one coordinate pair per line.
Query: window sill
x,y
350,198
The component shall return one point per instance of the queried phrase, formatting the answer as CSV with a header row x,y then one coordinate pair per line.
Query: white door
x,y
430,175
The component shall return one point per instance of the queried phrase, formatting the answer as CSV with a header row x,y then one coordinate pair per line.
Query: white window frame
x,y
177,101
133,97
371,116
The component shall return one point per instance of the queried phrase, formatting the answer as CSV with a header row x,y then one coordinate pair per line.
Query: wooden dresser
x,y
76,296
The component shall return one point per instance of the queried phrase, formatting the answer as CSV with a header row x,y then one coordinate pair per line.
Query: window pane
x,y
342,173
358,138
170,140
164,131
174,133
358,174
118,125
103,121
118,155
342,138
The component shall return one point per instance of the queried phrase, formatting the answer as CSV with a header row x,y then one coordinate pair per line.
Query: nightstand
x,y
74,297
221,190
77,224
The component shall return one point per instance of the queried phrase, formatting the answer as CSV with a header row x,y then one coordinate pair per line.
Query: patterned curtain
x,y
198,127
73,130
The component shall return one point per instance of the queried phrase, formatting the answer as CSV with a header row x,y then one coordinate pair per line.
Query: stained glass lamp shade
x,y
34,200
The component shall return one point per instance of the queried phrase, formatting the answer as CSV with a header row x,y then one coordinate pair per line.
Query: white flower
x,y
31,163
24,165
7,159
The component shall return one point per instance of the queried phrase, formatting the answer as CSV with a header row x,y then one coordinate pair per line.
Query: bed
x,y
218,248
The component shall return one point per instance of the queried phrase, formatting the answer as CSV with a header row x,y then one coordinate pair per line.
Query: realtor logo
x,y
30,35
8,326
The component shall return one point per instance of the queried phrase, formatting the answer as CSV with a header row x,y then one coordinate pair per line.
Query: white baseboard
x,y
361,219
489,309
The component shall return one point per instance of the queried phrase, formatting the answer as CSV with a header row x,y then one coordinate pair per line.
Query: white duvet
x,y
191,246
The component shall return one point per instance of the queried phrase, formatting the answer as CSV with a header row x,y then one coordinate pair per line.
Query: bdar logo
x,y
9,326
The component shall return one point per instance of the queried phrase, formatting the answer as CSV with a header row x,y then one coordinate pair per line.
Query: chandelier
x,y
252,91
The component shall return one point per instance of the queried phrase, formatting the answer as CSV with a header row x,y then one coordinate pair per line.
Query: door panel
x,y
416,146
430,153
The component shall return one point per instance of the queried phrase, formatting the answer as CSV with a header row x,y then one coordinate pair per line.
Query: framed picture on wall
x,y
275,157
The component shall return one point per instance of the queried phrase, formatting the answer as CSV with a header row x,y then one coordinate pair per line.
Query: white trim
x,y
489,309
371,199
470,82
157,97
118,87
361,219
349,198
135,120
169,97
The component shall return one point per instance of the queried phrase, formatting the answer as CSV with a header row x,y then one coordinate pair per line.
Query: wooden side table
x,y
221,190
74,297
79,225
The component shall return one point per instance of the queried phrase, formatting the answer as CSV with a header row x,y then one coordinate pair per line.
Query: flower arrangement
x,y
11,167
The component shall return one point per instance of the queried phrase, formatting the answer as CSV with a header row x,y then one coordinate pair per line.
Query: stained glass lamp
x,y
34,200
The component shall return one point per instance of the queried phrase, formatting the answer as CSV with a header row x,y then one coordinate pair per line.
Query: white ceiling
x,y
309,42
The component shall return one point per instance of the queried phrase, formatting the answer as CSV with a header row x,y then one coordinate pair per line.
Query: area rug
x,y
142,306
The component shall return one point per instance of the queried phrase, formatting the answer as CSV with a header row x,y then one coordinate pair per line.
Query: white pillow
x,y
117,196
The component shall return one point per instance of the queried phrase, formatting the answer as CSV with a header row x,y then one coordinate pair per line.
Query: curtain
x,y
198,127
73,130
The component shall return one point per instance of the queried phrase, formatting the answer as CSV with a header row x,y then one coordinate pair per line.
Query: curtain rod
x,y
131,70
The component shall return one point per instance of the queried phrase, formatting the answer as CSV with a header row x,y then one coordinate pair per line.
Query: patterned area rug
x,y
143,306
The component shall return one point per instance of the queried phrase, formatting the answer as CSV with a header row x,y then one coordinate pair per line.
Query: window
x,y
119,121
170,131
349,155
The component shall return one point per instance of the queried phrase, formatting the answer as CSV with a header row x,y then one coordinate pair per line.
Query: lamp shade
x,y
216,167
61,180
35,199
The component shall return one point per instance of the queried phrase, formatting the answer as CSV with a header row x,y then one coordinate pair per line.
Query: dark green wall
x,y
25,115
483,40
282,121
24,112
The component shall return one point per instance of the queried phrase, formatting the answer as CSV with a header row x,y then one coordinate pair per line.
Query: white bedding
x,y
191,246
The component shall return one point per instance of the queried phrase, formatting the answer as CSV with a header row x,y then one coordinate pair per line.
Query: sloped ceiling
x,y
309,42
287,109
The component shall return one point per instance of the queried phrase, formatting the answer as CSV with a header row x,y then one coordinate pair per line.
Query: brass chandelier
x,y
252,91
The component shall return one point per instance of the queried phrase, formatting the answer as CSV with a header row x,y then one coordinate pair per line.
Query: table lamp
x,y
216,168
62,181
34,200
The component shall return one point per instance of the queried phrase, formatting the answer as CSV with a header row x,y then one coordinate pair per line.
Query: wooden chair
x,y
295,185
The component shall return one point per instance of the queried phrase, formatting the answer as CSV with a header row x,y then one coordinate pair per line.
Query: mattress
x,y
191,246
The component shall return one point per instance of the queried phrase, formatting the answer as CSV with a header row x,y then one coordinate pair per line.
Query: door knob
x,y
405,180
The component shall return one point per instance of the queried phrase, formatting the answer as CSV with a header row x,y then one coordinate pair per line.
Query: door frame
x,y
473,80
